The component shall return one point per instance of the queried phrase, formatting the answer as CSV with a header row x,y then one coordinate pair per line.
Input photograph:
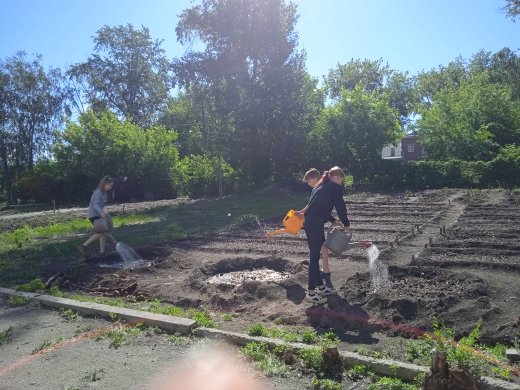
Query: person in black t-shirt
x,y
327,196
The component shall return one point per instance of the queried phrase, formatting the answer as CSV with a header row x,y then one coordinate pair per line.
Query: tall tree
x,y
352,132
252,70
128,73
512,9
33,103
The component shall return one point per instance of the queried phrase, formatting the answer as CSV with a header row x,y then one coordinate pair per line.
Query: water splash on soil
x,y
239,277
129,256
379,271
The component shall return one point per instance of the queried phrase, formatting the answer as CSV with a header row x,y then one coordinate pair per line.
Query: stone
x,y
513,355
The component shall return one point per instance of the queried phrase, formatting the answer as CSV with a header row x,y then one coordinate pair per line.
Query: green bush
x,y
197,176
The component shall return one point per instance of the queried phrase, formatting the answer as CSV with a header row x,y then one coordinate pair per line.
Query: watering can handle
x,y
332,227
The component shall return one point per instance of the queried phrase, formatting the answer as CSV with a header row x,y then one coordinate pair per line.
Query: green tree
x,y
101,145
352,132
128,73
32,104
512,9
470,121
256,79
181,115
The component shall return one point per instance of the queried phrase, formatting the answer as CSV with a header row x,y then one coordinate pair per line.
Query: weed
x,y
90,326
503,373
47,344
291,337
308,337
359,372
325,384
202,318
313,360
378,354
179,340
95,376
330,339
79,331
168,310
386,383
228,317
278,321
362,351
69,314
35,285
120,335
151,330
257,330
17,300
421,350
77,269
266,361
113,316
6,336
55,292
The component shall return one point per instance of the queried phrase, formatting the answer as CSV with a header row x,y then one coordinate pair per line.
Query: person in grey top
x,y
95,211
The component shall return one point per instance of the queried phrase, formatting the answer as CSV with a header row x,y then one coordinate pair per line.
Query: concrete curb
x,y
174,324
384,367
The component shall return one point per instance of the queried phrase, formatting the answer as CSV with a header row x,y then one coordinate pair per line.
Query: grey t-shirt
x,y
97,202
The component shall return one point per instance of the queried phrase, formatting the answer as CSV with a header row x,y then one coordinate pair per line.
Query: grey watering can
x,y
103,225
338,241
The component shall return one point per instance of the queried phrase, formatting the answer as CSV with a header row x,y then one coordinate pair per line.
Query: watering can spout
x,y
292,222
367,244
269,235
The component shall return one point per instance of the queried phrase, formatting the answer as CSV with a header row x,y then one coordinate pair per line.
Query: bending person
x,y
327,196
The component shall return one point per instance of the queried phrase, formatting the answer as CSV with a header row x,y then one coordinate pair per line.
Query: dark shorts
x,y
92,219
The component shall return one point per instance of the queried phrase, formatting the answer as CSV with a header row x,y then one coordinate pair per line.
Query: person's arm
x,y
97,201
339,205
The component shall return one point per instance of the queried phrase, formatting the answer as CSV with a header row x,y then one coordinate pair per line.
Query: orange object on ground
x,y
292,222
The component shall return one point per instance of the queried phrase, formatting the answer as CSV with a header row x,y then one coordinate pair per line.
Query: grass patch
x,y
69,314
17,300
179,340
265,360
298,335
33,286
95,376
386,383
325,384
47,344
360,372
120,335
56,292
6,336
313,361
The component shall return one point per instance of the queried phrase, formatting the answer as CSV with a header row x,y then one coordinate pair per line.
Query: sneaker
x,y
315,298
82,249
305,263
326,291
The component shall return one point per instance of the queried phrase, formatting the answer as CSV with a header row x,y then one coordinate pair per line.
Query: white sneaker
x,y
325,291
315,298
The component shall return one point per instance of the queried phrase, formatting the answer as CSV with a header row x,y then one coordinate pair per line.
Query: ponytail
x,y
325,178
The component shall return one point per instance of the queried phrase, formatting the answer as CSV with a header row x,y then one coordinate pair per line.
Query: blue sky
x,y
411,35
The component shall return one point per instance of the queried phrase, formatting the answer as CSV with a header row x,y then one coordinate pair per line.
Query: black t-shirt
x,y
324,199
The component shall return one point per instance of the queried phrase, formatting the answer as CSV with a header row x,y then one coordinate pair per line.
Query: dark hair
x,y
312,173
105,180
325,178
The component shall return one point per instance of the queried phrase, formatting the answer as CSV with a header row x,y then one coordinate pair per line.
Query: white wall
x,y
387,151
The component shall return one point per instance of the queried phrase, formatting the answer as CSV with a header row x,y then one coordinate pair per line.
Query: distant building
x,y
408,149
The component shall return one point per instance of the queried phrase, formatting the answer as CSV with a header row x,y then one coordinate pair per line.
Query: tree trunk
x,y
7,177
438,377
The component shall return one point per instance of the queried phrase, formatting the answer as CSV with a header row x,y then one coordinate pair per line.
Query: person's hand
x,y
298,214
346,229
103,215
335,223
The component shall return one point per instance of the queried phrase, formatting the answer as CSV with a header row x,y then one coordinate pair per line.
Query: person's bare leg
x,y
102,242
92,239
325,258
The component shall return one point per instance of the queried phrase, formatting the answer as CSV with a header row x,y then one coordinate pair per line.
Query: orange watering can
x,y
292,222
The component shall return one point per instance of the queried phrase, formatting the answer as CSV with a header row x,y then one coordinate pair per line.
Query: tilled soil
x,y
469,272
